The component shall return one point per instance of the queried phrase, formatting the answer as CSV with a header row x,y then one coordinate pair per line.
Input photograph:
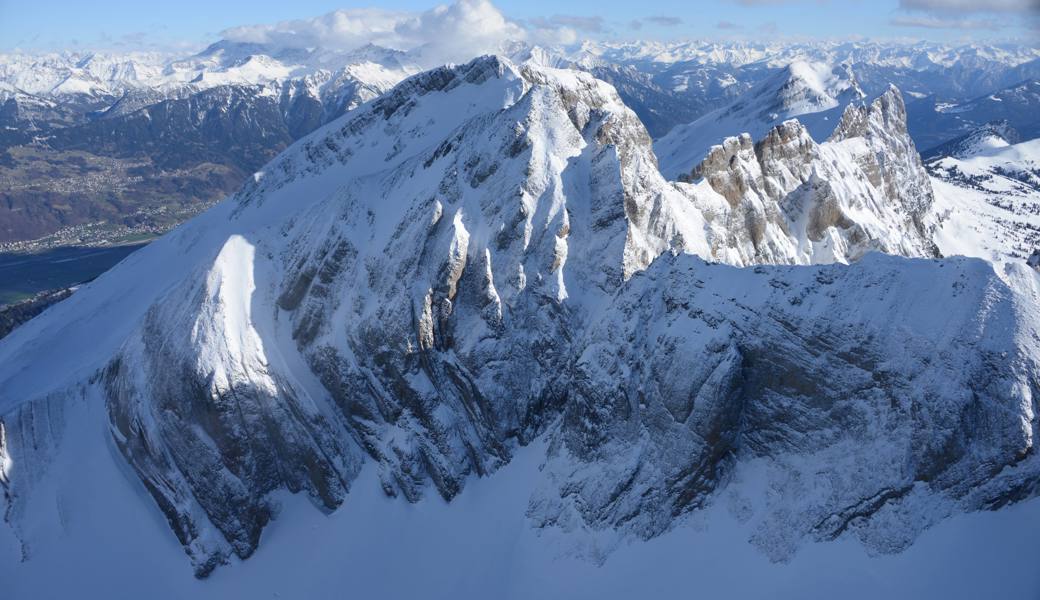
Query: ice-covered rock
x,y
875,414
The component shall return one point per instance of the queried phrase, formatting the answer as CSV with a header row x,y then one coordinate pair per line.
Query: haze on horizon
x,y
123,25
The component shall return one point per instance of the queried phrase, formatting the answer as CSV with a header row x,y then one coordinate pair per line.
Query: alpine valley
x,y
615,320
100,147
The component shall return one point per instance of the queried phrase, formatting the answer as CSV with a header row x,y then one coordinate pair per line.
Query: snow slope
x,y
816,93
474,305
114,543
990,136
988,200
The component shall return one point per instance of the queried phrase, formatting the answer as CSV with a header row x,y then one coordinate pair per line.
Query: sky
x,y
192,24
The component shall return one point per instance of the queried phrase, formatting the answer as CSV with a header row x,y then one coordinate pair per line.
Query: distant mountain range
x,y
135,143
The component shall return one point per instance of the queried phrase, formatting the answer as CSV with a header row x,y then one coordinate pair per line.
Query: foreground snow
x,y
115,543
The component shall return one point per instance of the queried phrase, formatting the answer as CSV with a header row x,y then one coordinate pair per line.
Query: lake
x,y
24,275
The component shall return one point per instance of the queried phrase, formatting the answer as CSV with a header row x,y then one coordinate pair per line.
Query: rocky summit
x,y
486,261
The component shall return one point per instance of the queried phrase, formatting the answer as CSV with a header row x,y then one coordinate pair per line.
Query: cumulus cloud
x,y
447,33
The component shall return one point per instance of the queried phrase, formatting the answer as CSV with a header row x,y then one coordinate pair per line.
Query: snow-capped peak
x,y
813,92
487,254
981,140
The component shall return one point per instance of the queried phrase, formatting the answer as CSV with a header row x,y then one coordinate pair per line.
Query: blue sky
x,y
137,24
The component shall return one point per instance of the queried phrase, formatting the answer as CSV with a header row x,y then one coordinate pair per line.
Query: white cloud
x,y
665,20
447,33
935,22
590,24
962,6
993,15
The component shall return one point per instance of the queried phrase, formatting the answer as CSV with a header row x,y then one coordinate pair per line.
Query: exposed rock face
x,y
488,254
892,160
862,423
813,92
210,426
791,200
434,319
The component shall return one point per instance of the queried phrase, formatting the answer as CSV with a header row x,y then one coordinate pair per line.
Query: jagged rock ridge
x,y
788,199
423,289
815,93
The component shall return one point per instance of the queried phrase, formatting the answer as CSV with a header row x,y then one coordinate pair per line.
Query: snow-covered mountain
x,y
919,55
483,274
97,86
922,68
787,199
223,63
75,73
987,192
697,77
935,121
815,93
693,75
991,136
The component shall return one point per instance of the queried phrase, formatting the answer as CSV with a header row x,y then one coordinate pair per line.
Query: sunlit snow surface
x,y
989,201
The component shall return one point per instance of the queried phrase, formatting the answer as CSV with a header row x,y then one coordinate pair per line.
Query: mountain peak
x,y
982,139
486,256
788,199
814,92
886,115
900,173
